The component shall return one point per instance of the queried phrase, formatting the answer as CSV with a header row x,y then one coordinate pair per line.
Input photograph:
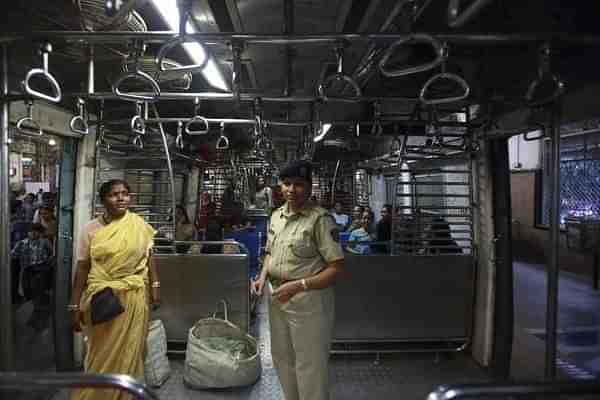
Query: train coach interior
x,y
442,115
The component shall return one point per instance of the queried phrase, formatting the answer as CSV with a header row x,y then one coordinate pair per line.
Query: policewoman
x,y
304,259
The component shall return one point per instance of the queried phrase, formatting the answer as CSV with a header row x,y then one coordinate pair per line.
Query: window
x,y
579,178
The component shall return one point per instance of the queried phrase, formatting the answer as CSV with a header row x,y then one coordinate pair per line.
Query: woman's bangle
x,y
304,285
156,284
73,307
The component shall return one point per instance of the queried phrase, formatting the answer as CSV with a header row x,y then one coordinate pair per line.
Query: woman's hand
x,y
257,286
286,291
76,320
155,297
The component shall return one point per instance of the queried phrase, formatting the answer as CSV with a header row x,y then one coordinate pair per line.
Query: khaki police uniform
x,y
301,245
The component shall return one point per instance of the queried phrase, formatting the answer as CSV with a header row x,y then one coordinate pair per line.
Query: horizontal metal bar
x,y
136,157
30,381
466,216
433,231
245,97
445,195
325,38
431,183
523,390
418,171
437,208
126,170
297,123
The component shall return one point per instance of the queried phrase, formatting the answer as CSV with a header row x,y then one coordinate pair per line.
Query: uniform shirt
x,y
301,244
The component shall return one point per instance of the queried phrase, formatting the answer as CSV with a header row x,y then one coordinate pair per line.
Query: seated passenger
x,y
341,219
442,242
384,229
361,235
214,233
357,212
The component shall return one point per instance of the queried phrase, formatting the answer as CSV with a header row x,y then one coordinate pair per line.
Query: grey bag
x,y
220,355
156,364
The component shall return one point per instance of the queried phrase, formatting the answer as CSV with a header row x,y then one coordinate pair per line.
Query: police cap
x,y
297,169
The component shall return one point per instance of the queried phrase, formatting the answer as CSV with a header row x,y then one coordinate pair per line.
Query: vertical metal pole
x,y
553,267
91,86
170,171
7,333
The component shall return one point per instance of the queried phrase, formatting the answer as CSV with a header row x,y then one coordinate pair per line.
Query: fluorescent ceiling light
x,y
324,129
170,13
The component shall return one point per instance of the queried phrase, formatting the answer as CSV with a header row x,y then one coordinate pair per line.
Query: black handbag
x,y
105,306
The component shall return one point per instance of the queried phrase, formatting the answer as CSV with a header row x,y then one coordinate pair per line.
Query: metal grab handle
x,y
137,125
197,119
162,52
412,39
444,75
56,90
80,120
456,20
533,87
33,128
474,391
223,142
338,76
138,143
18,381
179,138
139,76
539,136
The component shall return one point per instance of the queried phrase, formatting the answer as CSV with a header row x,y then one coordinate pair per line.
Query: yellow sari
x,y
119,256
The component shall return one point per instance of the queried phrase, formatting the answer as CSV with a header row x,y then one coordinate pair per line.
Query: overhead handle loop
x,y
544,73
222,142
179,138
139,76
56,95
164,50
136,74
456,20
444,75
27,125
195,120
410,40
338,76
78,123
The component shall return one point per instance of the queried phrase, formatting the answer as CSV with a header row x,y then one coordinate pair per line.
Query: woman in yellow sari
x,y
115,252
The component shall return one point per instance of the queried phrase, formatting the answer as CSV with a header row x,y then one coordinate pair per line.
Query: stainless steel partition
x,y
193,285
404,299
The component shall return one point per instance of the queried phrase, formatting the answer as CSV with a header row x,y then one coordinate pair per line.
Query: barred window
x,y
579,178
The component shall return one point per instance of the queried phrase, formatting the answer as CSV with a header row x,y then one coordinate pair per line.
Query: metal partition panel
x,y
192,286
404,298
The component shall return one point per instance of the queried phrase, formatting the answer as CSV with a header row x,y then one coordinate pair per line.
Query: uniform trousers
x,y
301,333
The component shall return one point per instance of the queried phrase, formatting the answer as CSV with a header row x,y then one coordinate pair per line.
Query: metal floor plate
x,y
357,377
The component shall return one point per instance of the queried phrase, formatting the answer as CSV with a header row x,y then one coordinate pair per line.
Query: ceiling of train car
x,y
502,72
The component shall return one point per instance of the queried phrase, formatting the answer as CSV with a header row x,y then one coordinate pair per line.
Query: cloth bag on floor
x,y
220,355
156,364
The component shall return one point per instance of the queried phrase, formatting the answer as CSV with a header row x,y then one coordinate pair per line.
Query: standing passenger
x,y
115,252
304,259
